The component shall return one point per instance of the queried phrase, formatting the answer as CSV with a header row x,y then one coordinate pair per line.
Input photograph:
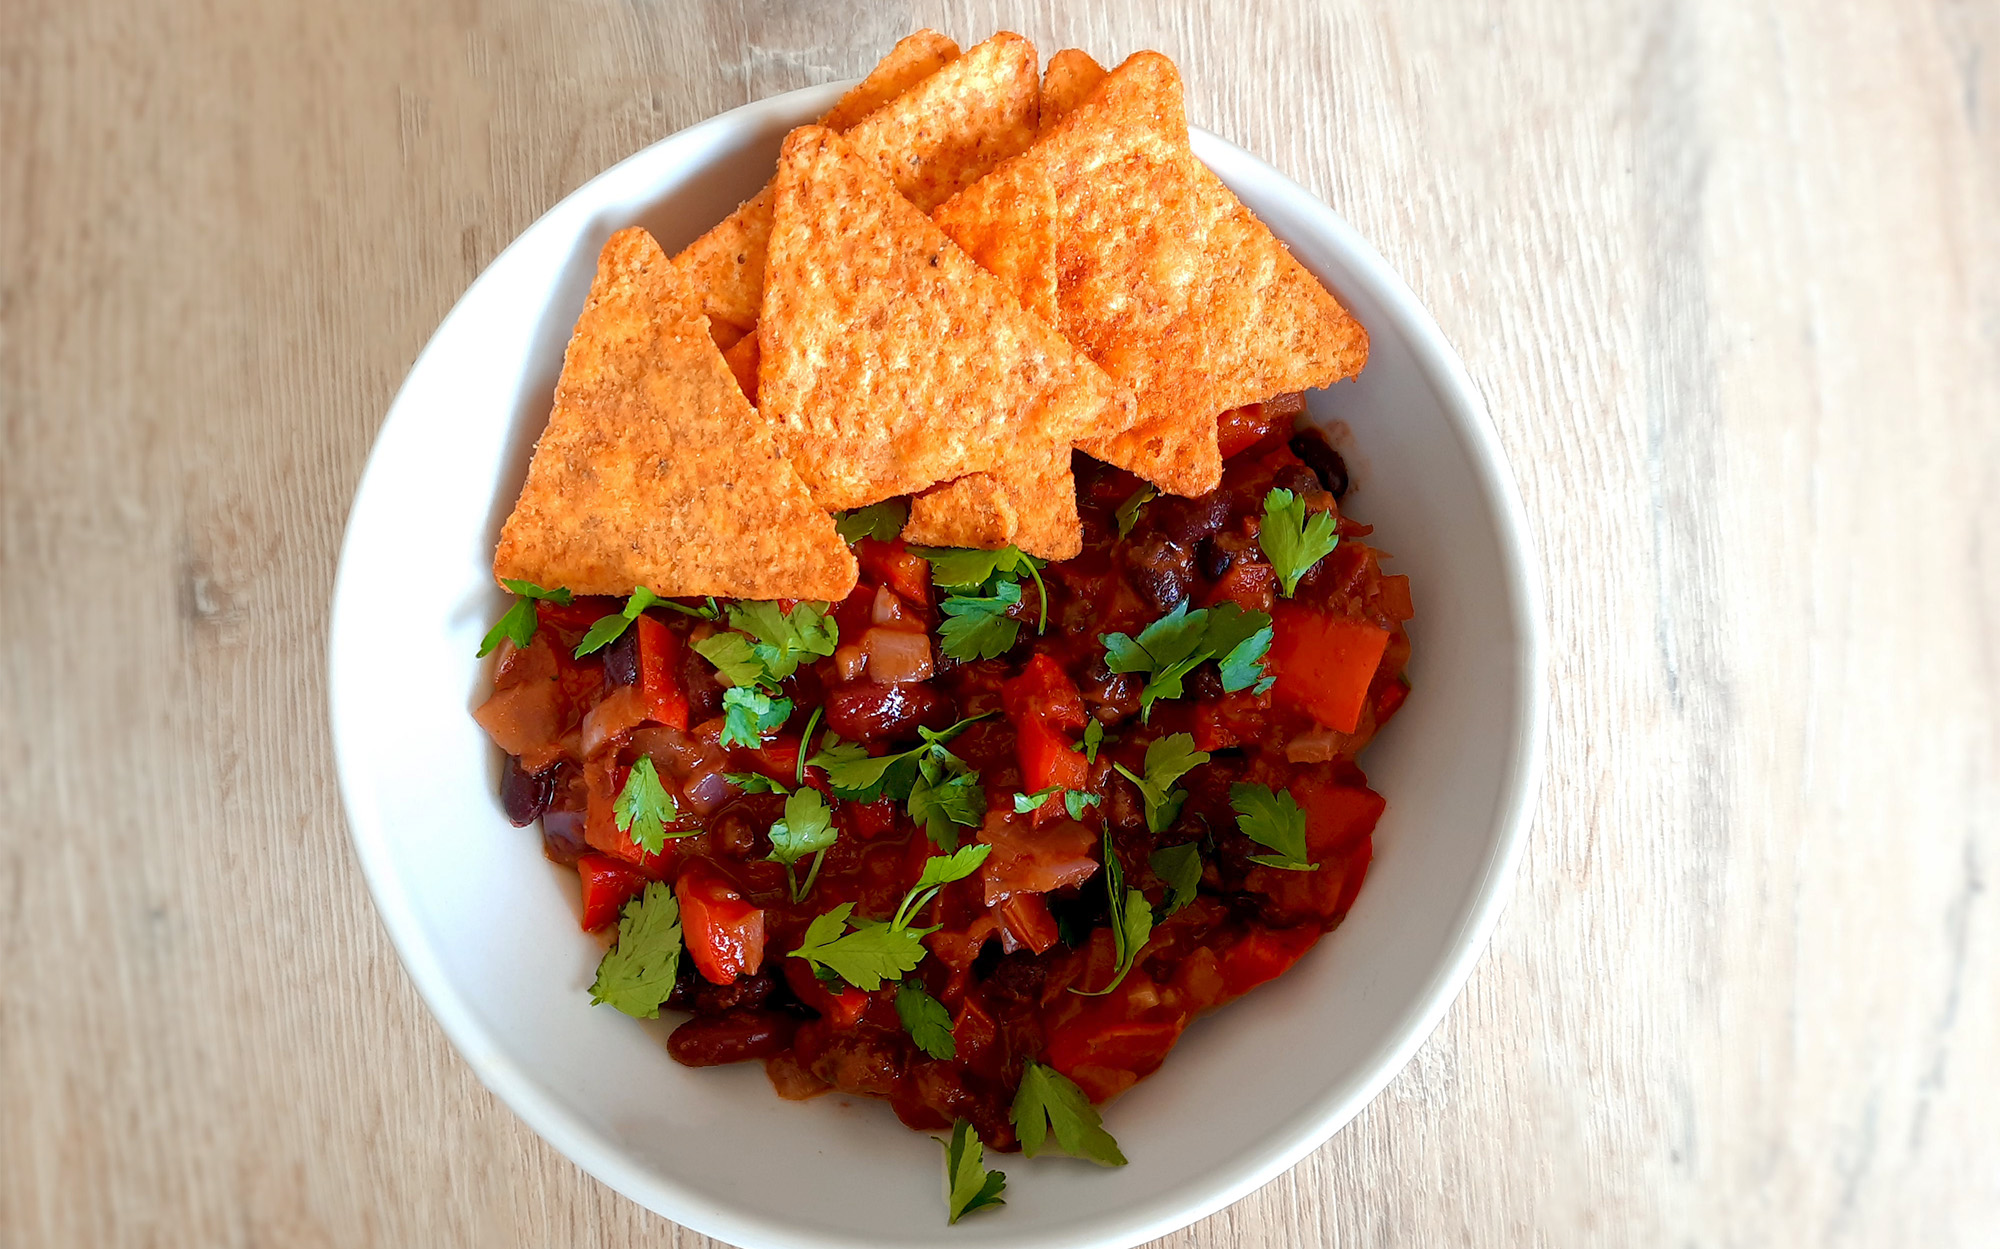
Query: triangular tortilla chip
x,y
1071,76
913,59
942,134
1029,502
742,361
889,360
974,512
653,470
1169,282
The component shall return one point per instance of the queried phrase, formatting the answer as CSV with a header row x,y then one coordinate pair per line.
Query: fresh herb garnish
x,y
1167,760
1293,540
941,789
609,629
978,627
644,807
638,971
1076,801
1049,1101
1182,640
880,521
748,713
980,579
876,951
1131,919
969,1185
784,638
708,611
807,828
1024,803
1271,818
805,743
1093,737
754,783
730,652
1180,867
518,625
1127,514
926,1020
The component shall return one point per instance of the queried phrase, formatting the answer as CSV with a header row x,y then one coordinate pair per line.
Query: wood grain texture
x,y
1727,270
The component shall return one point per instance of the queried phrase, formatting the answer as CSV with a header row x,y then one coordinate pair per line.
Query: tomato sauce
x,y
1016,939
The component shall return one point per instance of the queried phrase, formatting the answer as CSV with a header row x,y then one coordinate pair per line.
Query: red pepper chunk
x,y
659,659
896,566
724,933
1042,702
1325,663
1263,955
607,886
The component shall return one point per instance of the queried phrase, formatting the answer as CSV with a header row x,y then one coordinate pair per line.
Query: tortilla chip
x,y
1009,227
1168,282
890,361
653,471
913,59
725,335
942,134
1071,76
973,511
742,361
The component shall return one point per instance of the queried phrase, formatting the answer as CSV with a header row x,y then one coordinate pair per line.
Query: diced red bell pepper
x,y
842,1010
608,885
1028,919
1325,663
1240,429
1248,584
1389,699
724,933
1042,702
604,778
1336,815
1047,759
659,667
1044,692
1264,954
896,566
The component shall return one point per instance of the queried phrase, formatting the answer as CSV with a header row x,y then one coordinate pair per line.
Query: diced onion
x,y
896,656
1313,746
851,660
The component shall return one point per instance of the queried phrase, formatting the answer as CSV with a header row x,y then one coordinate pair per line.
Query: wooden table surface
x,y
1727,270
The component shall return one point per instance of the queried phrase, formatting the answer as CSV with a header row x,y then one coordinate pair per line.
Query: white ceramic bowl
x,y
488,929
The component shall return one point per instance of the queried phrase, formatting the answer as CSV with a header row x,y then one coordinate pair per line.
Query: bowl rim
x,y
1320,1118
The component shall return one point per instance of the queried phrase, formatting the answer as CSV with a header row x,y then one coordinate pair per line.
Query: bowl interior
x,y
487,927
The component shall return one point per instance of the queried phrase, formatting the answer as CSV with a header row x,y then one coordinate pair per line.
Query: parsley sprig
x,y
1131,919
986,584
638,971
1180,867
518,625
969,1185
1075,801
1292,539
807,828
644,808
941,790
880,521
1182,640
926,1020
876,950
761,649
1167,760
1127,514
1050,1101
1271,818
609,629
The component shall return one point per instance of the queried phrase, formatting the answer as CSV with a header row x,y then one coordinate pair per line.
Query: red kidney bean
x,y
1327,464
1213,558
1160,568
863,711
740,1035
1188,521
524,795
621,659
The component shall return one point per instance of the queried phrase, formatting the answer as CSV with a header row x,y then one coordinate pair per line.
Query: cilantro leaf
x,y
975,571
926,1020
1180,867
807,828
784,638
518,624
880,521
942,869
853,773
871,953
1048,1100
969,1185
1292,540
979,627
1131,919
708,611
860,777
749,713
1127,514
609,629
730,652
944,796
644,807
1167,760
1182,640
754,783
638,971
1271,818
1238,639
1024,803
1075,801
1093,737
